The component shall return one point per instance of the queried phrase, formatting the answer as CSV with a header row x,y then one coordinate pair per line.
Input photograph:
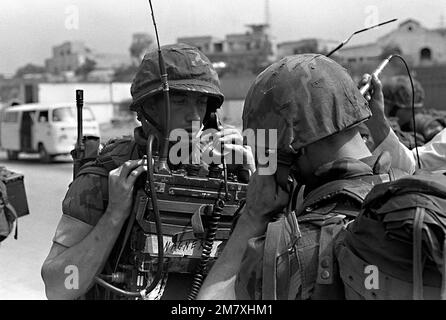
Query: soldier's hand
x,y
374,96
265,198
377,124
121,182
229,143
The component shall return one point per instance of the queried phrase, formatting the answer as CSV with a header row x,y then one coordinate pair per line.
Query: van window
x,y
43,116
68,114
11,117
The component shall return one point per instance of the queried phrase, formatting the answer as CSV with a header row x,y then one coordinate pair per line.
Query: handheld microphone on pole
x,y
377,72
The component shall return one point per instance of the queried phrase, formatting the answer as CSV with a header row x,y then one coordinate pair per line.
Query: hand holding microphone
x,y
377,124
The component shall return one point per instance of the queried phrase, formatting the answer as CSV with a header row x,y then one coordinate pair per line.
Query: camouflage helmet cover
x,y
188,69
397,92
306,98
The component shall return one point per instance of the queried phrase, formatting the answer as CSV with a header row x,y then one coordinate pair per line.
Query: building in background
x,y
419,45
424,50
311,45
250,51
106,64
67,57
209,45
73,58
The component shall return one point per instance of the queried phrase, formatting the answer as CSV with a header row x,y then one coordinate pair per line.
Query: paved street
x,y
20,260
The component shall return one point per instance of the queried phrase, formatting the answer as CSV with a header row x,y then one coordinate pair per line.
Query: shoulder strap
x,y
356,189
273,235
417,254
280,237
91,169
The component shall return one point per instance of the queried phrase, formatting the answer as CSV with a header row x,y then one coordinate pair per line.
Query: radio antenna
x,y
163,166
356,32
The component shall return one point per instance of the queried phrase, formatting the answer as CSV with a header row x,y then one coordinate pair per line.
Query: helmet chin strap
x,y
156,129
145,117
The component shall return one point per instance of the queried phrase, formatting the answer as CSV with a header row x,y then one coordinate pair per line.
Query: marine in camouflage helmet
x,y
306,98
397,93
188,70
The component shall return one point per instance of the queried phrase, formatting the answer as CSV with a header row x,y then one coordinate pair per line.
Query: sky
x,y
29,28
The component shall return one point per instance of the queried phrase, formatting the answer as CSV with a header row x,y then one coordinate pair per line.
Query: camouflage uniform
x,y
306,278
87,198
306,98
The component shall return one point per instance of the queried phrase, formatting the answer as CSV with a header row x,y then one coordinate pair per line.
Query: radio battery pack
x,y
15,188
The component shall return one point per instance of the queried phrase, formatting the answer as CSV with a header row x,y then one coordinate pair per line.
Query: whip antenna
x,y
356,32
163,167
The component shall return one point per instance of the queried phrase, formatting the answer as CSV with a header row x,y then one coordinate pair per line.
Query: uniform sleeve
x,y
402,157
82,207
248,283
433,153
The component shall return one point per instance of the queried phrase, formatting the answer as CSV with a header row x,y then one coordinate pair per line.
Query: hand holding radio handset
x,y
121,184
226,142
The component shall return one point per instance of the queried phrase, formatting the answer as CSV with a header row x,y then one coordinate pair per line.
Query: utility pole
x,y
268,31
267,14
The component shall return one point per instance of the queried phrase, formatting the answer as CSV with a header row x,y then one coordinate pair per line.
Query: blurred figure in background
x,y
397,93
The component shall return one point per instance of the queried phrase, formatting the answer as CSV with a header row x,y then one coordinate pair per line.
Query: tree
x,y
84,69
142,42
125,73
29,69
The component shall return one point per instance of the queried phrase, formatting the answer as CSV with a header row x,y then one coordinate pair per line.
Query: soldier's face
x,y
184,109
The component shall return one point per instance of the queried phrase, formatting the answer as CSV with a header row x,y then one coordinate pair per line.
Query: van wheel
x,y
12,155
45,157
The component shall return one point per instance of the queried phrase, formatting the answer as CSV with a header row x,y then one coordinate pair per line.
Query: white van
x,y
47,129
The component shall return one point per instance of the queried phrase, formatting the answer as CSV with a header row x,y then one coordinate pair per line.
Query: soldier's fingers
x,y
230,139
233,147
365,78
128,166
115,172
376,83
134,174
206,146
207,137
227,131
